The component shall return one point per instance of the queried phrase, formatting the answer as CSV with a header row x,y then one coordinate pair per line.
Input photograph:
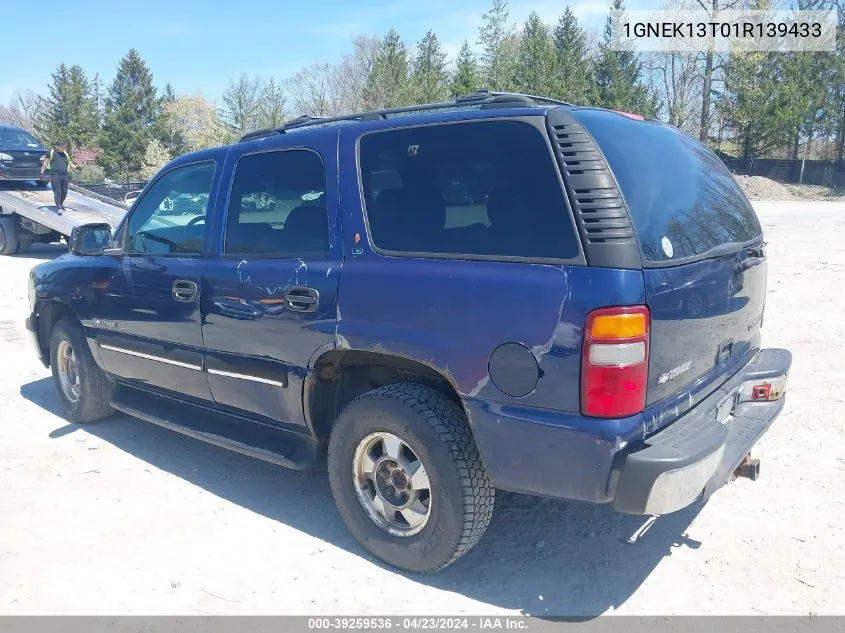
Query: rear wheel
x,y
407,477
81,385
8,235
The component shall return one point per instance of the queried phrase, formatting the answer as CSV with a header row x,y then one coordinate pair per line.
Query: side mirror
x,y
89,239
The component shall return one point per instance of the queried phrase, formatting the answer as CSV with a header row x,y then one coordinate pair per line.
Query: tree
x,y
536,59
313,91
24,111
748,101
430,79
467,77
677,78
574,81
155,157
272,105
351,74
619,75
192,124
387,85
712,8
242,105
130,115
162,130
496,40
70,112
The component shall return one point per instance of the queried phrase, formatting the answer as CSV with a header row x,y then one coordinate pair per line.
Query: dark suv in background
x,y
21,155
446,300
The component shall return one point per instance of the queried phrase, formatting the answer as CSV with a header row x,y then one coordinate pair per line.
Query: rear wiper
x,y
728,248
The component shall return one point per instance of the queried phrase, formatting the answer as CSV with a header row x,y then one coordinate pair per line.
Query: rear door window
x,y
682,199
277,206
485,189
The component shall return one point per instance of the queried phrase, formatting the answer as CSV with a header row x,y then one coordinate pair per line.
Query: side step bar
x,y
247,437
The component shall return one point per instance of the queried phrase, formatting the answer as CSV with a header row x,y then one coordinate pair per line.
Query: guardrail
x,y
93,194
113,191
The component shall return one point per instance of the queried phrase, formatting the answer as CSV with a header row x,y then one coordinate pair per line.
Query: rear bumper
x,y
21,173
696,455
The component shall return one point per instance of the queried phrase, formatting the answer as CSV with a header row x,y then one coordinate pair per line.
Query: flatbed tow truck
x,y
28,215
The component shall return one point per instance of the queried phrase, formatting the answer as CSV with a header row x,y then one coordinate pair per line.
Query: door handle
x,y
184,290
302,299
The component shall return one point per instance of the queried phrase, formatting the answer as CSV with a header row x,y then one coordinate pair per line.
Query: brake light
x,y
614,365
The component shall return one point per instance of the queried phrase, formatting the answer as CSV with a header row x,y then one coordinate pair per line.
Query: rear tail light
x,y
614,366
763,390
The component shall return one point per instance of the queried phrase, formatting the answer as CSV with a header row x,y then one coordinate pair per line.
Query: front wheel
x,y
407,477
83,388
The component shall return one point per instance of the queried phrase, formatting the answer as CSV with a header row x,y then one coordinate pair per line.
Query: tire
x,y
8,235
24,246
461,499
93,387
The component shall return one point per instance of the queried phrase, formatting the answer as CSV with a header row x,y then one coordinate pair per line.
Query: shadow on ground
x,y
540,556
43,251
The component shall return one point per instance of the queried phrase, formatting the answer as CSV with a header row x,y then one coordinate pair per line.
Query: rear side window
x,y
682,199
277,206
484,188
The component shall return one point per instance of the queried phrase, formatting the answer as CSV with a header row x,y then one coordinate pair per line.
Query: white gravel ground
x,y
126,518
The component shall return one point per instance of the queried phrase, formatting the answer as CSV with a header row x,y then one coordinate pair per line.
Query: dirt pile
x,y
760,188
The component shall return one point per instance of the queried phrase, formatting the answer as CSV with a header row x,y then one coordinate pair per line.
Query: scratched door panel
x,y
257,347
270,297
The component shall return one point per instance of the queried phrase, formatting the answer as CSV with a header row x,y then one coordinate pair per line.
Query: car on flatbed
x,y
21,155
441,301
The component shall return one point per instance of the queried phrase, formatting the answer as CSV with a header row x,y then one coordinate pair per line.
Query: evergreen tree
x,y
130,116
495,38
619,75
70,114
749,101
536,60
574,81
163,128
430,79
99,102
388,83
467,77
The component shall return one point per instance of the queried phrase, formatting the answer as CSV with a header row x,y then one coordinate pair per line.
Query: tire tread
x,y
453,429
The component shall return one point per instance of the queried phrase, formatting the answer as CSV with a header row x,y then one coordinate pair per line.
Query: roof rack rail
x,y
479,98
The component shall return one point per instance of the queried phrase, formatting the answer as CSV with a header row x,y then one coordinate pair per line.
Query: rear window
x,y
13,138
484,188
682,199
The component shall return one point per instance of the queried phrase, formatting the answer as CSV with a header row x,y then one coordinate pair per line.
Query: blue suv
x,y
501,292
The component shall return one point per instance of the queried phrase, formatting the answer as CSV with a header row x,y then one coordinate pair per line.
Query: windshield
x,y
682,199
12,137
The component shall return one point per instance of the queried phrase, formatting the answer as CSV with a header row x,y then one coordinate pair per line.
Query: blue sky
x,y
200,45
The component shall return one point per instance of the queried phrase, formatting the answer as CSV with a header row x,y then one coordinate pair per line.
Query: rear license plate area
x,y
727,405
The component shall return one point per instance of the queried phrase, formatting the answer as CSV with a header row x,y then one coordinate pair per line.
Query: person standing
x,y
59,165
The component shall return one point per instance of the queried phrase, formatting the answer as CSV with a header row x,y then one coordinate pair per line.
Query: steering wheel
x,y
196,220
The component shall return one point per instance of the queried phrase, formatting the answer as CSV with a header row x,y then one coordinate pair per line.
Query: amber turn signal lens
x,y
613,326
